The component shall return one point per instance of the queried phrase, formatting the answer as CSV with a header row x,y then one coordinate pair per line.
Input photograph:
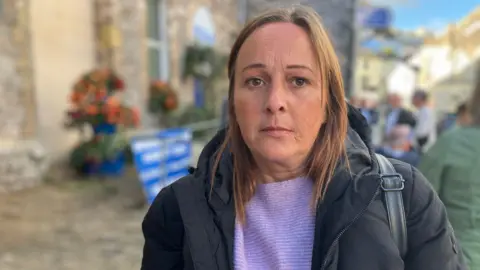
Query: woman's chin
x,y
276,155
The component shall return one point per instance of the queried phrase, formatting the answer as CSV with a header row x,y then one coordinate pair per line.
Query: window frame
x,y
159,44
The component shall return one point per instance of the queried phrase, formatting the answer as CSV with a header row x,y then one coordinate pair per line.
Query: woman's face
x,y
278,94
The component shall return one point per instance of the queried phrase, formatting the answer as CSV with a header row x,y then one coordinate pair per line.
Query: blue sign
x,y
375,17
162,159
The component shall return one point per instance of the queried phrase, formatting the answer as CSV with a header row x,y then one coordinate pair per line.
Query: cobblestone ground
x,y
70,226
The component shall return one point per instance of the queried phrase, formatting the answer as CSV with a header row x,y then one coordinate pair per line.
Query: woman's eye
x,y
254,82
299,82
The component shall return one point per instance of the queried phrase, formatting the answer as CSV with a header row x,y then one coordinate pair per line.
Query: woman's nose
x,y
276,98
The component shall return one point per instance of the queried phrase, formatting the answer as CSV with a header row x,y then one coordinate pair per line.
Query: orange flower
x,y
170,102
76,97
92,110
112,102
111,118
101,94
113,115
159,84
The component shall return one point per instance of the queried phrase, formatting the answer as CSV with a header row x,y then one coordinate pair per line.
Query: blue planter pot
x,y
104,128
113,167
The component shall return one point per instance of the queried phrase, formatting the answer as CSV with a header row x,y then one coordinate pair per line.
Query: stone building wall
x,y
21,160
17,106
130,58
121,45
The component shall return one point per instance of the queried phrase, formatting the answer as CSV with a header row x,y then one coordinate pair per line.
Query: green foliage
x,y
208,65
162,102
204,63
100,148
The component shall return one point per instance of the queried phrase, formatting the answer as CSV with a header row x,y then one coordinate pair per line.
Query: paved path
x,y
75,225
69,227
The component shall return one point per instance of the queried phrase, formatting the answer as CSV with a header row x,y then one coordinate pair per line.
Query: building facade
x,y
371,71
447,62
47,44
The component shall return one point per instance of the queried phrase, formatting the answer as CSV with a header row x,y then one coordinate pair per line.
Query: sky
x,y
431,14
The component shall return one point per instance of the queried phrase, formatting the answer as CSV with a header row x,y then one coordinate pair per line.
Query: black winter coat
x,y
184,229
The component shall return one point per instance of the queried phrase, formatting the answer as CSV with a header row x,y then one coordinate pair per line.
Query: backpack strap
x,y
392,184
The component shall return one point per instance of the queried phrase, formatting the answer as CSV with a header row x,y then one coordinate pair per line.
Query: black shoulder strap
x,y
392,184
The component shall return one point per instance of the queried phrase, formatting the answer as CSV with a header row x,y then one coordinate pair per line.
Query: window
x,y
158,64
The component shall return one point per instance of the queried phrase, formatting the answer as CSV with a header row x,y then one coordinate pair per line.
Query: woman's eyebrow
x,y
299,67
260,65
254,65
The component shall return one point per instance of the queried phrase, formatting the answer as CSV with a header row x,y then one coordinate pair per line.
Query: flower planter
x,y
113,167
96,104
109,167
104,128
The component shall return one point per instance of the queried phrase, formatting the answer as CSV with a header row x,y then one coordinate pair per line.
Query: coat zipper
x,y
335,241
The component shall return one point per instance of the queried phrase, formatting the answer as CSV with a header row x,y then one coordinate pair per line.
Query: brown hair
x,y
462,108
329,146
474,105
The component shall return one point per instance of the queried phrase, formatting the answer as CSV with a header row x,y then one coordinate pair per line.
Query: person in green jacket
x,y
452,165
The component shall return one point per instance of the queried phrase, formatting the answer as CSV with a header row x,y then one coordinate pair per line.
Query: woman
x,y
452,165
291,184
463,117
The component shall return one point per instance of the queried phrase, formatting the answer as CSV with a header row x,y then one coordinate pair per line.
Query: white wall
x,y
402,81
62,49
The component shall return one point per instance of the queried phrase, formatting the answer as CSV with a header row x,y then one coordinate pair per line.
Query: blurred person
x,y
368,109
363,107
450,121
354,101
452,165
273,190
463,116
425,129
447,122
398,146
397,115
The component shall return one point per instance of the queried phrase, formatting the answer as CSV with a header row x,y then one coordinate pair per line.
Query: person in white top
x,y
425,130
